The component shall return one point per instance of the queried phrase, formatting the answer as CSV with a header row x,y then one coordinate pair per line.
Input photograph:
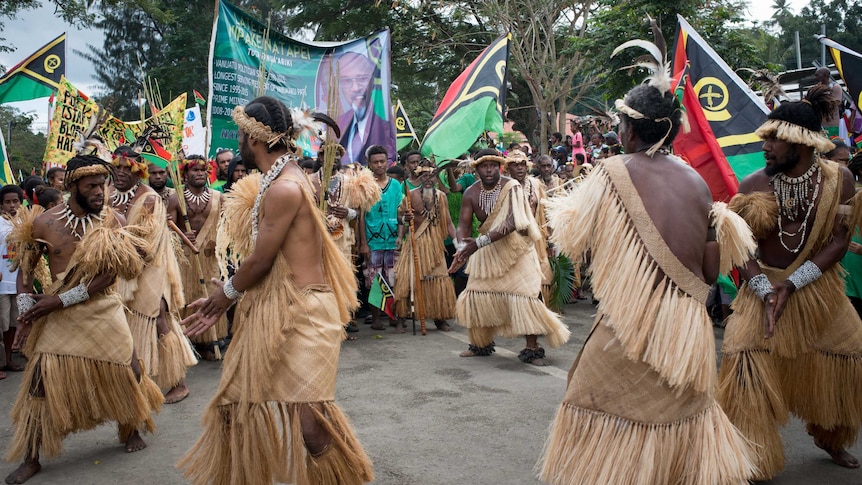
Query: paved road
x,y
425,416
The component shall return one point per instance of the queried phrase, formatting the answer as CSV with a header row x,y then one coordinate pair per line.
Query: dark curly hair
x,y
659,110
817,106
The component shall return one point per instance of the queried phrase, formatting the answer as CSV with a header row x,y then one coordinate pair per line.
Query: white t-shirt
x,y
7,285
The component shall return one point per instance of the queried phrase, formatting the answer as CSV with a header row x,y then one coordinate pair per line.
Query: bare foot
x,y
442,326
135,443
351,337
176,394
2,375
468,353
399,327
24,472
376,326
840,456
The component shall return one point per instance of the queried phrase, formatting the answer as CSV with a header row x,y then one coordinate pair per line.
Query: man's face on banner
x,y
356,73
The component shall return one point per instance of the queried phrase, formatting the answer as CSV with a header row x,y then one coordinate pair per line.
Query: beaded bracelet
x,y
805,274
74,296
230,291
760,285
25,302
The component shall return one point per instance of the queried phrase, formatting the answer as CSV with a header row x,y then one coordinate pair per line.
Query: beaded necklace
x,y
487,198
265,182
796,195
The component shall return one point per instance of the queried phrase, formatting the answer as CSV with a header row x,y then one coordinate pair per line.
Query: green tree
x,y
843,21
719,22
24,147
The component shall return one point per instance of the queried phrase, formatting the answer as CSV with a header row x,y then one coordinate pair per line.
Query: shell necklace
x,y
265,182
73,221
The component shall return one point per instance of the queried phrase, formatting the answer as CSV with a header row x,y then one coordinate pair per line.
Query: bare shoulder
x,y
121,220
284,191
45,220
693,179
755,182
848,183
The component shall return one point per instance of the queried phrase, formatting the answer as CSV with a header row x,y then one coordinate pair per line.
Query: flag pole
x,y
419,303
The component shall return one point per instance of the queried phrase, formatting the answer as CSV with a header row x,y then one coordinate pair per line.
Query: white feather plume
x,y
303,120
660,77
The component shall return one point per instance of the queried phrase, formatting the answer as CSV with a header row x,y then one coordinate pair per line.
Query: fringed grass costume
x,y
79,372
640,406
358,192
438,292
502,294
284,354
192,287
812,365
165,357
534,187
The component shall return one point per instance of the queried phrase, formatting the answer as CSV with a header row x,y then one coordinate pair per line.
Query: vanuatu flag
x,y
404,132
37,76
380,295
849,64
472,105
6,169
723,113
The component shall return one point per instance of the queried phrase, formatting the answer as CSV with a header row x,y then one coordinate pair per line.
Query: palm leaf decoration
x,y
563,284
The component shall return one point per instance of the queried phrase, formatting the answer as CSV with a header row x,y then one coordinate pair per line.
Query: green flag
x,y
36,76
472,105
6,172
380,295
404,133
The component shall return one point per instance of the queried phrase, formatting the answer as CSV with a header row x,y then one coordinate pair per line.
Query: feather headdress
x,y
655,62
87,143
768,83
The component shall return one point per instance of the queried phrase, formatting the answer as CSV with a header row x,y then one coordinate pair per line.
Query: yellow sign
x,y
72,113
713,97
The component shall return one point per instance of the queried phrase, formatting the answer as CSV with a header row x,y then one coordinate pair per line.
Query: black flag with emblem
x,y
38,75
723,113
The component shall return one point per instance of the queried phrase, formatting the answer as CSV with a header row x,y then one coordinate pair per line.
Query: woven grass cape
x,y
502,294
639,407
812,366
283,356
168,357
192,288
438,292
88,344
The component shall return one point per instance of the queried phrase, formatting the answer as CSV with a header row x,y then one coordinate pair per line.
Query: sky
x,y
34,28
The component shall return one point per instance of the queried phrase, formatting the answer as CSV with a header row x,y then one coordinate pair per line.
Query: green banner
x,y
299,74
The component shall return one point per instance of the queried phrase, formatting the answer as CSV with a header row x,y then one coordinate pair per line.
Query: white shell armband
x,y
230,291
760,285
74,296
483,241
805,274
25,302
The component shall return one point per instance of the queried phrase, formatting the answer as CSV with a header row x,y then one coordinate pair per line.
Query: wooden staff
x,y
178,185
330,145
418,302
183,237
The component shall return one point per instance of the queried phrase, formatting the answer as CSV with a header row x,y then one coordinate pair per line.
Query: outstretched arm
x,y
280,207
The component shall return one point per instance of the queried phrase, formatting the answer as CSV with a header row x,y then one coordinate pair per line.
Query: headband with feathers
x,y
660,78
655,62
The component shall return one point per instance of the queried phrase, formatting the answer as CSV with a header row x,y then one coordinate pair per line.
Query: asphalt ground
x,y
425,416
